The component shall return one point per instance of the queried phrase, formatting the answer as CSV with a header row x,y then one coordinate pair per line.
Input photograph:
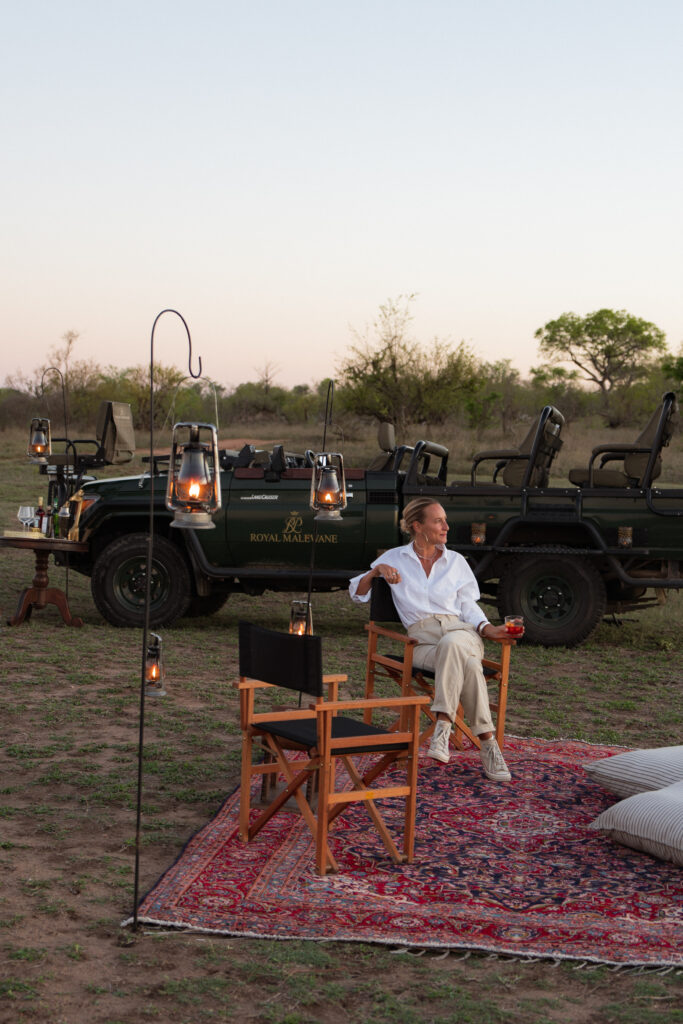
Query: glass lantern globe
x,y
193,490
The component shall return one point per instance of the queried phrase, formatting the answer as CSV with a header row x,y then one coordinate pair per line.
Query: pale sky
x,y
276,170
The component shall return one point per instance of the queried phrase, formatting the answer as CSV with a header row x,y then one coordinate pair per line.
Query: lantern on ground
x,y
39,440
193,491
328,486
154,668
300,618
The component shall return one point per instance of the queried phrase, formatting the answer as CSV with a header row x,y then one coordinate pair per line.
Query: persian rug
x,y
506,868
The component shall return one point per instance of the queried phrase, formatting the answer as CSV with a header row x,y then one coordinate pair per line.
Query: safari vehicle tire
x,y
208,604
118,582
561,597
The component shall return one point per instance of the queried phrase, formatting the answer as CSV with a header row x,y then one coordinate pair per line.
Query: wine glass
x,y
26,515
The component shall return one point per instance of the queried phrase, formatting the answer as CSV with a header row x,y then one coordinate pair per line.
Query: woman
x,y
436,594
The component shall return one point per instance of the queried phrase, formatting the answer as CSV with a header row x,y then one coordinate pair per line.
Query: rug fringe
x,y
433,952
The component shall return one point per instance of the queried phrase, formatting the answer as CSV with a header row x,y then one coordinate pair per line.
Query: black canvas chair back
x,y
527,465
641,461
302,746
282,659
382,607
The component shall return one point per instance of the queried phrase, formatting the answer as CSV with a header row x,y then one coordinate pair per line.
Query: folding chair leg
x,y
245,786
324,861
503,695
371,806
411,799
462,729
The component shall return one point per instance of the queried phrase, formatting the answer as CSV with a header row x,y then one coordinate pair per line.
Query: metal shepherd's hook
x,y
148,584
55,369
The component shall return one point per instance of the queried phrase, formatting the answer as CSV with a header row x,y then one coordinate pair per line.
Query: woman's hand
x,y
388,573
491,632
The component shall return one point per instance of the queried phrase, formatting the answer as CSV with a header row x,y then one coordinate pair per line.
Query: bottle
x,y
40,515
55,519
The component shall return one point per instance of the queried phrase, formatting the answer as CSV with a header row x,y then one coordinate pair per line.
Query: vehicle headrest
x,y
386,435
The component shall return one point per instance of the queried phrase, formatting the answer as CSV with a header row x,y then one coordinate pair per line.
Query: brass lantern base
x,y
193,521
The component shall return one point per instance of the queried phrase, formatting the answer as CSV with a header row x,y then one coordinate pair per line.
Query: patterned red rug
x,y
511,869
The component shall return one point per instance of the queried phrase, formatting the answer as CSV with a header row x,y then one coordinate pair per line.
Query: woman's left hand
x,y
491,632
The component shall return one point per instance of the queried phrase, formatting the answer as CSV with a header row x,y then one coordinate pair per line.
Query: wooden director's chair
x,y
308,741
398,666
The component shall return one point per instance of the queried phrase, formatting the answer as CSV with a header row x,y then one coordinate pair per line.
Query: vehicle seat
x,y
115,432
115,438
641,461
386,437
529,464
260,459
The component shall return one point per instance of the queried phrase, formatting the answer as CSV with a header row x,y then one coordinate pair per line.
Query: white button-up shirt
x,y
450,589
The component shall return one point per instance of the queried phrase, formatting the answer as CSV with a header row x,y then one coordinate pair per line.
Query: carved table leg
x,y
24,607
40,594
58,598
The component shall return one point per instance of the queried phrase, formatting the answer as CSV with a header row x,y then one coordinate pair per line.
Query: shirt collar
x,y
409,551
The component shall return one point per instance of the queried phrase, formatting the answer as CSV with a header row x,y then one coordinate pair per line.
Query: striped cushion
x,y
637,771
651,822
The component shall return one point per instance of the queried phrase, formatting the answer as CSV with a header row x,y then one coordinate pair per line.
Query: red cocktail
x,y
514,625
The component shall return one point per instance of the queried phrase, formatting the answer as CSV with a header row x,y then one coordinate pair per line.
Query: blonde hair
x,y
414,513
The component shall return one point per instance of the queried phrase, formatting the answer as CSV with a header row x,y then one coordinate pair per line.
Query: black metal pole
x,y
148,598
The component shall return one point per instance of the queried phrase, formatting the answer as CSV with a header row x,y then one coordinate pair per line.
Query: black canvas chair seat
x,y
398,666
324,734
305,733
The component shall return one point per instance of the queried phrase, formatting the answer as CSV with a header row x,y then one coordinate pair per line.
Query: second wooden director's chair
x,y
398,666
307,742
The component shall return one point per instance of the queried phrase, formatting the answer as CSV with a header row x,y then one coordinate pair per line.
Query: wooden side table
x,y
39,594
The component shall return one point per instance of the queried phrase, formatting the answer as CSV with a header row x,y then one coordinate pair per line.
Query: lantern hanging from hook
x,y
155,672
328,485
193,491
39,440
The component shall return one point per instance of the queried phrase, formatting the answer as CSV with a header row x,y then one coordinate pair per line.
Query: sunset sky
x,y
277,170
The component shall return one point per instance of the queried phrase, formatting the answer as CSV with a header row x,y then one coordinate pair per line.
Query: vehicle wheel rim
x,y
130,583
550,599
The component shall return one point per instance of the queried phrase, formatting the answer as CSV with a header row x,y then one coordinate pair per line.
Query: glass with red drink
x,y
514,624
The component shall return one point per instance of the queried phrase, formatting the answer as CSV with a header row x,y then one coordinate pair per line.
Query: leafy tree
x,y
252,399
672,367
610,348
301,404
132,385
81,378
504,382
393,378
551,384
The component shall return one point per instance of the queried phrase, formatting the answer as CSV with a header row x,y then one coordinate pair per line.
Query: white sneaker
x,y
493,761
438,748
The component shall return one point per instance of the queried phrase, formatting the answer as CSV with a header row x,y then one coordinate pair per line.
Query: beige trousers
x,y
453,651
